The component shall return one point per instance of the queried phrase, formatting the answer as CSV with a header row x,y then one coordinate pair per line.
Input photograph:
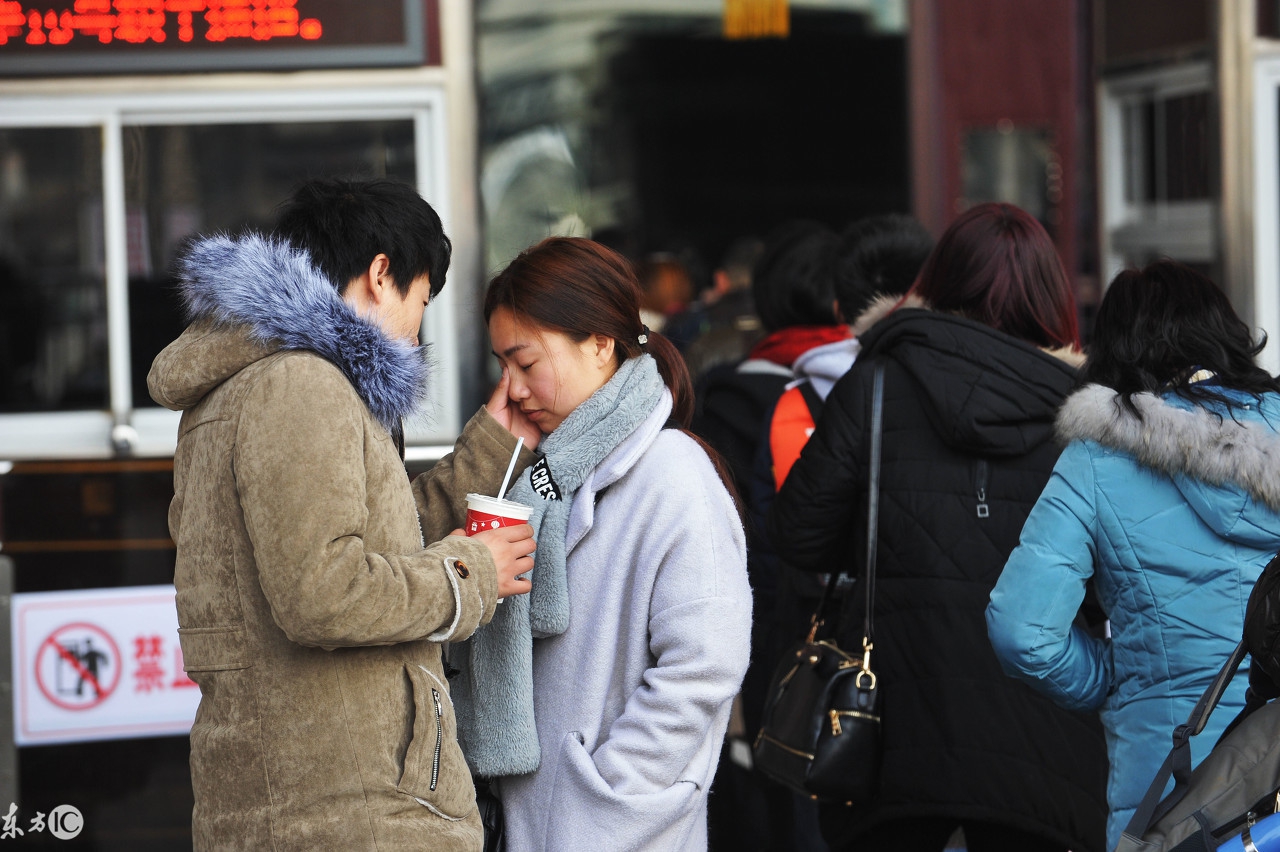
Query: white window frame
x,y
416,94
1266,206
1178,229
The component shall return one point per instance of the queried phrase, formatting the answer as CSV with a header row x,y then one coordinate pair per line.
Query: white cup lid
x,y
498,506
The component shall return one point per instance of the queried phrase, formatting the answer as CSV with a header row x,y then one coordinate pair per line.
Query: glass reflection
x,y
53,336
187,179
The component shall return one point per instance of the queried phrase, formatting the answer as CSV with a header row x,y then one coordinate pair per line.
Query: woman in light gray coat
x,y
600,701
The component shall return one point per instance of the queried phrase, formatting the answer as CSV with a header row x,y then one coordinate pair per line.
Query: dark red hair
x,y
997,265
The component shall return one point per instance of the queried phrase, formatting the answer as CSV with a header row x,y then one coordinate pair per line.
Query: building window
x,y
1155,160
197,179
99,193
53,337
1166,141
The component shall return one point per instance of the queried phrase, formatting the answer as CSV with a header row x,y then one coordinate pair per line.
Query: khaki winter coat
x,y
310,613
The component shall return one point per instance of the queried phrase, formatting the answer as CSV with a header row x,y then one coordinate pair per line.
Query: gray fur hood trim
x,y
1180,441
274,289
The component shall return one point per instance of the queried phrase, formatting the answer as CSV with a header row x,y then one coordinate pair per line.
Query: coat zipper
x,y
983,509
435,759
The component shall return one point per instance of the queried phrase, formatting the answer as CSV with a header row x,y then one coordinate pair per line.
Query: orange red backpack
x,y
793,422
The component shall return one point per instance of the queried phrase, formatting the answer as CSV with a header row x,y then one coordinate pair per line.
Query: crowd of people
x,y
1068,531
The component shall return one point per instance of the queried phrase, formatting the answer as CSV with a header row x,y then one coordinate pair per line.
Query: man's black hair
x,y
792,284
878,256
345,224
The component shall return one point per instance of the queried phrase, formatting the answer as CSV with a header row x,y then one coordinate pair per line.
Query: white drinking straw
x,y
506,479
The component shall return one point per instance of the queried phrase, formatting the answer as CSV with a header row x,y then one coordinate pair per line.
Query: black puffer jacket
x,y
968,424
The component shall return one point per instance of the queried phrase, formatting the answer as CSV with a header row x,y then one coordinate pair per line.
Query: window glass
x,y
1166,145
199,179
53,334
649,128
1017,165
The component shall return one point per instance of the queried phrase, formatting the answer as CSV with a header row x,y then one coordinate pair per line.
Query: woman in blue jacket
x,y
1167,496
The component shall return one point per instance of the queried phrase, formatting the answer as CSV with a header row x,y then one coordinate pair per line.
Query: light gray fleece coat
x,y
632,701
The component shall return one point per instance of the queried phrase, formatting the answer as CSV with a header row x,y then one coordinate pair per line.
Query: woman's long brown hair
x,y
579,287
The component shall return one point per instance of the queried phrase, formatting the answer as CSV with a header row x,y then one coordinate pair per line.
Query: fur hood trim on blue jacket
x,y
274,289
1180,438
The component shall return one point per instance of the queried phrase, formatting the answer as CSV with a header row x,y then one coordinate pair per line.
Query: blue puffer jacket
x,y
1173,515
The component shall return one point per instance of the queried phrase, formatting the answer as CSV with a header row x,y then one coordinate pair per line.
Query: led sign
x,y
128,36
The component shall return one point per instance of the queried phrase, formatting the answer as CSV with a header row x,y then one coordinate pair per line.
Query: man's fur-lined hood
x,y
1183,440
269,295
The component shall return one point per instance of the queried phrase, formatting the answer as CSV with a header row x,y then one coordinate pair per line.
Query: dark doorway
x,y
724,138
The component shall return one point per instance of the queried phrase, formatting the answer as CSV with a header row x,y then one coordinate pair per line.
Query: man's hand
x,y
512,549
509,415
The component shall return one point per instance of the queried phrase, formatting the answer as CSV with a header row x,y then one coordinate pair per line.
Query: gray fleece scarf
x,y
493,691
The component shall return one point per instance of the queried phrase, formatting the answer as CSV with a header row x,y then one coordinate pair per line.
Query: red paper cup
x,y
490,513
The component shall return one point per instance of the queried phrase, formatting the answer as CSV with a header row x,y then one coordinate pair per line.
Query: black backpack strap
x,y
811,399
1154,804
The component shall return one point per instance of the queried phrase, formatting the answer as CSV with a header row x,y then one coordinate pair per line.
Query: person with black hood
x,y
976,359
794,294
876,256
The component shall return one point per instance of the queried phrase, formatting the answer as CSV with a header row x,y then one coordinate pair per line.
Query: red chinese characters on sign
x,y
149,674
143,21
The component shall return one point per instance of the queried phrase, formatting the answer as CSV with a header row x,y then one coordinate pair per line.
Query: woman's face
x,y
550,374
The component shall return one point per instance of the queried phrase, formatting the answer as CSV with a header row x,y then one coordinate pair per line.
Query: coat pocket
x,y
583,808
435,772
213,649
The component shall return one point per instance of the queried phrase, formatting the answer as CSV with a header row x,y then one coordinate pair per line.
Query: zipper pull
x,y
435,757
836,730
983,509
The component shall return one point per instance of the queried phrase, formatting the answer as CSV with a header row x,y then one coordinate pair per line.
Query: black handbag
x,y
820,733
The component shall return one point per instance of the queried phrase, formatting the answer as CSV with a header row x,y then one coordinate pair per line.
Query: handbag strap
x,y
873,514
1155,804
873,508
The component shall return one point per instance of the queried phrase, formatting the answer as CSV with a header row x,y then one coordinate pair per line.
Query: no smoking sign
x,y
78,666
98,664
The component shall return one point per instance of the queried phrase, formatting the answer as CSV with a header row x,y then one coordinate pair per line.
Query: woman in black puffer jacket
x,y
977,359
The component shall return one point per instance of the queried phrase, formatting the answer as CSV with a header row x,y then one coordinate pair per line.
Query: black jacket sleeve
x,y
814,519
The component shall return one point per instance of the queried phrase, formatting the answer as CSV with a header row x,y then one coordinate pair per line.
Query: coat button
x,y
461,567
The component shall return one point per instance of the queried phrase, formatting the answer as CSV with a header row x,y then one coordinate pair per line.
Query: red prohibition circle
x,y
51,645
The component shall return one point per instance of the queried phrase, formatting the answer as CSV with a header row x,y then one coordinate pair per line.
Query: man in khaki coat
x,y
312,609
